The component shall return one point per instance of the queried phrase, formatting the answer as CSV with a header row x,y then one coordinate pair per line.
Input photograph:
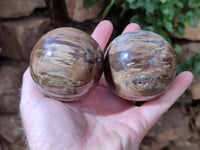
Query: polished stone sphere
x,y
66,64
139,65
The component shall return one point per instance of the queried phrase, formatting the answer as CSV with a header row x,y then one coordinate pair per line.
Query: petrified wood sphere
x,y
139,65
66,63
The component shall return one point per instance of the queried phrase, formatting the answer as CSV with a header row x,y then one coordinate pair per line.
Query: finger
x,y
152,110
102,82
130,27
102,33
29,90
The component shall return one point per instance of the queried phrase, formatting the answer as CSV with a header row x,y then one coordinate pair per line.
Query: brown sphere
x,y
66,63
139,65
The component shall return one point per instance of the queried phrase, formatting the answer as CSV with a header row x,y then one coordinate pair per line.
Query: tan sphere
x,y
66,63
139,65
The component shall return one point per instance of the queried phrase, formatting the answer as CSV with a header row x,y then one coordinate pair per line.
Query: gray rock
x,y
10,127
197,121
192,33
194,89
189,49
184,144
4,145
170,127
18,8
18,145
18,37
11,77
77,12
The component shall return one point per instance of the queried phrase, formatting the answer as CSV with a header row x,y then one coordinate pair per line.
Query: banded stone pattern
x,y
139,65
66,63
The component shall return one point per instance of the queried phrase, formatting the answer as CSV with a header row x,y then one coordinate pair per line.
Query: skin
x,y
99,121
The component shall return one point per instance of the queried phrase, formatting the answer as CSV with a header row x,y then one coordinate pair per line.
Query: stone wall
x,y
20,28
16,31
23,22
178,128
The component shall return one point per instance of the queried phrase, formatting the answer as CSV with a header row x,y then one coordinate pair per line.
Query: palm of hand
x,y
101,120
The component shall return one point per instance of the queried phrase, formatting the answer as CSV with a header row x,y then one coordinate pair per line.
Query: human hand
x,y
99,121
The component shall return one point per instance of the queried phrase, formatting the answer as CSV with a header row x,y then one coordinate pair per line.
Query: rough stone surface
x,y
192,33
184,144
3,144
10,127
17,38
18,145
197,121
189,49
171,126
18,8
77,12
11,76
194,90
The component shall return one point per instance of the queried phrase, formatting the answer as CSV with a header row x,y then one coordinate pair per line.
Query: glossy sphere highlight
x,y
66,63
139,65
